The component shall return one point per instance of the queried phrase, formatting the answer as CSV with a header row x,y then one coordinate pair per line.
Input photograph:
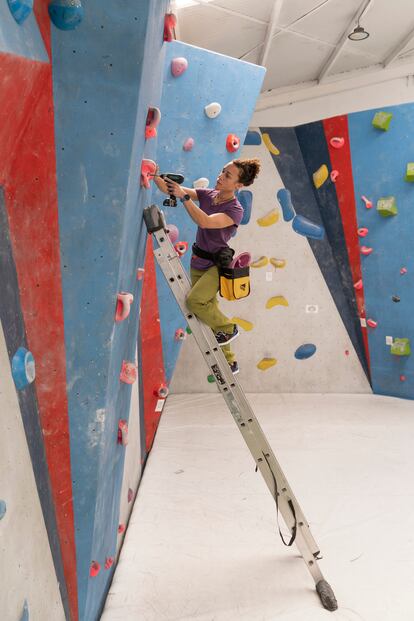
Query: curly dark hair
x,y
248,169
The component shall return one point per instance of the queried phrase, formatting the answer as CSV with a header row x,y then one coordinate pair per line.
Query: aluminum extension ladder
x,y
266,462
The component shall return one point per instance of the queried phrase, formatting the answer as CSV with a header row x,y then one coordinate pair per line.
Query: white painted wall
x,y
279,331
356,91
26,566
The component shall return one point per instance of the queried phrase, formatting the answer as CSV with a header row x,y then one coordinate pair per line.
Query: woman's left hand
x,y
174,188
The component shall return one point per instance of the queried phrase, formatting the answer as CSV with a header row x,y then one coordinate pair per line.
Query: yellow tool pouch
x,y
234,282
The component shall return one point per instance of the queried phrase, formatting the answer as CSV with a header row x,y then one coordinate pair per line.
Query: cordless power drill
x,y
172,200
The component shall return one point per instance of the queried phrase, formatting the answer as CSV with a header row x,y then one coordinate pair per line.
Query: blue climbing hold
x,y
66,14
3,509
25,612
305,227
20,9
253,138
305,351
23,368
245,197
285,201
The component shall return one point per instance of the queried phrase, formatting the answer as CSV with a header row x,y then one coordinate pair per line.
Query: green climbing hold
x,y
188,330
401,347
387,206
382,120
210,379
409,175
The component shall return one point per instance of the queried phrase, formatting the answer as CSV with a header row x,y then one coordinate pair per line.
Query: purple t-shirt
x,y
212,240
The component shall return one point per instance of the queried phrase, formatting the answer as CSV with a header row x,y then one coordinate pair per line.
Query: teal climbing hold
x,y
25,612
253,138
3,509
401,347
305,351
387,206
23,368
285,201
305,227
66,14
20,9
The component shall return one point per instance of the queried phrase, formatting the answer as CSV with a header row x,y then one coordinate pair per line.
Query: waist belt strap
x,y
203,254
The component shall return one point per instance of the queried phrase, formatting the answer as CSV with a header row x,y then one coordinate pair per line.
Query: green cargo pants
x,y
202,301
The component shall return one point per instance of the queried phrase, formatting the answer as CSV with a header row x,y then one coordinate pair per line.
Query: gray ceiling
x,y
302,41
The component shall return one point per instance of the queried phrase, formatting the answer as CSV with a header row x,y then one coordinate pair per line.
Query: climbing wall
x,y
76,86
334,249
197,146
292,338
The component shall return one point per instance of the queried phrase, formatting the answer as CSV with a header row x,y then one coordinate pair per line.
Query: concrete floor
x,y
203,543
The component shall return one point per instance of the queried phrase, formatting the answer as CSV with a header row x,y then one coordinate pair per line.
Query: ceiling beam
x,y
230,12
271,27
398,49
332,58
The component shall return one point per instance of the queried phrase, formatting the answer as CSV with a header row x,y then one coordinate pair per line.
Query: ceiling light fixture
x,y
358,33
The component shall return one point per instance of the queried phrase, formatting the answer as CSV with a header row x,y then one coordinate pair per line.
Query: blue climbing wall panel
x,y
209,78
379,161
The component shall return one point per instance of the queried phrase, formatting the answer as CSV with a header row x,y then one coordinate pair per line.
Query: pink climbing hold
x,y
180,334
148,168
109,561
362,232
347,352
188,144
128,373
368,203
123,305
372,323
358,285
337,142
232,143
121,528
173,232
123,432
334,175
152,122
170,22
402,378
242,260
94,569
366,250
178,66
403,270
181,248
140,273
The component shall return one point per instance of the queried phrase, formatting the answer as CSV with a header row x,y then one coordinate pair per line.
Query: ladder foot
x,y
326,595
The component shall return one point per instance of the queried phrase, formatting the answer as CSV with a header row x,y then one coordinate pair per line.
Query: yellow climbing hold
x,y
266,363
277,300
266,139
320,176
269,218
260,262
243,323
278,262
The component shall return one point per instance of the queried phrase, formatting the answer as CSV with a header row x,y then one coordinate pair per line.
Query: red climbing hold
x,y
181,247
95,569
148,168
334,175
121,528
123,305
128,372
366,250
362,232
403,270
336,142
152,122
358,285
372,323
232,143
402,378
368,203
170,22
123,432
109,562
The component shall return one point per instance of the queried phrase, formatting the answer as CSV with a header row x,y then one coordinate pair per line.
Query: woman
x,y
217,218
